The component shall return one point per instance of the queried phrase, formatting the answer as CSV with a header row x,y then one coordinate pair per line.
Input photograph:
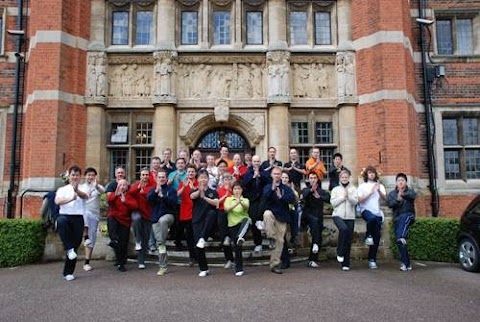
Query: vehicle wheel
x,y
468,255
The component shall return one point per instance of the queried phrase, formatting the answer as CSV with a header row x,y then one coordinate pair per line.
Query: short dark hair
x,y
338,154
222,161
74,168
237,184
401,175
202,172
90,169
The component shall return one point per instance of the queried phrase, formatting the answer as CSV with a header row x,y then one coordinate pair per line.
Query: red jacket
x,y
141,197
242,169
120,210
186,204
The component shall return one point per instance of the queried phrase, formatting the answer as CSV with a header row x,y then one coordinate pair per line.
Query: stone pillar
x,y
278,129
166,29
344,25
95,153
97,24
347,136
164,129
278,72
277,25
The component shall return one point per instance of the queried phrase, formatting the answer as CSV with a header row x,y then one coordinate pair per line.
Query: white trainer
x,y
138,246
203,273
315,248
69,277
87,268
228,264
71,254
201,243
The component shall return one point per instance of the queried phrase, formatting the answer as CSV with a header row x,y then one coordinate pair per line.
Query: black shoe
x,y
121,268
276,270
113,244
285,266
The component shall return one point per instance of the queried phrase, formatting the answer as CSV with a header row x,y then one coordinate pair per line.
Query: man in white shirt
x,y
71,200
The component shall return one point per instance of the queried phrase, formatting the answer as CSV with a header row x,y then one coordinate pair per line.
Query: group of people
x,y
193,199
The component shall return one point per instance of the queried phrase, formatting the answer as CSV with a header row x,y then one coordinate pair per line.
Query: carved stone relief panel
x,y
130,81
278,74
205,81
96,77
188,119
165,66
346,74
313,80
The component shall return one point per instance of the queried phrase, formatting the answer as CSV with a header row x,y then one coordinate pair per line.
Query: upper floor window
x,y
310,23
461,144
189,20
132,22
455,34
221,28
254,28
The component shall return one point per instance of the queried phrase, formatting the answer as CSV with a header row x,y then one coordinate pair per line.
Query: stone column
x,y
347,136
166,27
344,25
164,128
95,152
278,129
97,24
277,24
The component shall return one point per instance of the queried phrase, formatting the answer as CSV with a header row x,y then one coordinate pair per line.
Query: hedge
x,y
431,239
21,241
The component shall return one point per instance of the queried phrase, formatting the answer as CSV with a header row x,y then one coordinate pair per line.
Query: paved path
x,y
431,292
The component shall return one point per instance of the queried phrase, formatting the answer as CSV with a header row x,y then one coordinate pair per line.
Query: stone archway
x,y
251,125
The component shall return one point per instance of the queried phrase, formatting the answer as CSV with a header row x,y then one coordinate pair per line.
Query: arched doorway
x,y
211,141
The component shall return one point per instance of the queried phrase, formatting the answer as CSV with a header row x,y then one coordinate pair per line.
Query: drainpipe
x,y
427,81
19,34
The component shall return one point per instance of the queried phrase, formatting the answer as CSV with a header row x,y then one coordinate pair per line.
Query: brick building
x,y
114,82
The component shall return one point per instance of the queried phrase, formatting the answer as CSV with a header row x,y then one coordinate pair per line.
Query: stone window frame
x,y
453,16
311,7
189,5
222,5
254,6
312,119
134,150
132,7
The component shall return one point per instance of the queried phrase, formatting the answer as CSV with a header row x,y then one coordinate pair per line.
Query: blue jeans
x,y
401,225
374,229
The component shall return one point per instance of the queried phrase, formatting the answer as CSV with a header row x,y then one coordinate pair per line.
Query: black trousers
x,y
119,235
236,232
70,229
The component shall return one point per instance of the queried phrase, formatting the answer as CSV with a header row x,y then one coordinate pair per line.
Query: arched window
x,y
212,140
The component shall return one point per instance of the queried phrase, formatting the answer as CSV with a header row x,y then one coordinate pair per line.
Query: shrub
x,y
21,241
432,239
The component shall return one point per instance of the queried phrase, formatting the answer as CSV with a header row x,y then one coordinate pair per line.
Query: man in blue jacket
x,y
164,208
277,199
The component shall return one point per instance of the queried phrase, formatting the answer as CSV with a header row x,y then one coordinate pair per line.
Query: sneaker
x,y
138,246
201,243
162,249
226,241
210,239
87,267
369,241
203,273
345,268
141,266
260,225
276,270
239,273
162,271
121,268
271,242
87,242
313,264
228,264
372,264
315,248
240,241
405,268
69,277
257,249
340,259
71,254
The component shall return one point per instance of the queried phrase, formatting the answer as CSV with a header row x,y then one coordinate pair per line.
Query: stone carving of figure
x,y
345,74
163,81
92,75
278,70
256,80
101,75
244,82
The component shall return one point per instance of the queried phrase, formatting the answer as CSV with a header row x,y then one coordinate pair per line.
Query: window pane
x,y
452,165
470,131
298,28
144,35
142,160
143,134
323,132
444,37
254,28
322,28
450,132
327,157
464,37
472,164
299,133
303,154
221,28
120,28
118,158
189,28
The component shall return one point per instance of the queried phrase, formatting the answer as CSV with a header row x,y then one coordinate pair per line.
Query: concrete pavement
x,y
431,292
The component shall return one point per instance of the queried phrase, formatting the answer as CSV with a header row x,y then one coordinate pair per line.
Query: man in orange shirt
x,y
315,164
224,156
